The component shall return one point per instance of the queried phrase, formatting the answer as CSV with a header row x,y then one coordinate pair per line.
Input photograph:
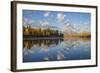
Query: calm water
x,y
56,49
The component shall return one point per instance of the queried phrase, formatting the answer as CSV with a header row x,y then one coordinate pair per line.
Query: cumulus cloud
x,y
60,17
31,21
27,22
46,14
44,23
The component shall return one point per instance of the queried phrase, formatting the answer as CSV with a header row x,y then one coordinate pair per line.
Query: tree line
x,y
39,32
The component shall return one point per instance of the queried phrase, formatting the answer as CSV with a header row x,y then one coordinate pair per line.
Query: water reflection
x,y
56,49
40,43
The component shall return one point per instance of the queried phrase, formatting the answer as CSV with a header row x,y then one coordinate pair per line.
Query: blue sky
x,y
81,21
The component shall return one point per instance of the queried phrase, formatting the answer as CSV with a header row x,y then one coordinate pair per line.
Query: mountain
x,y
69,29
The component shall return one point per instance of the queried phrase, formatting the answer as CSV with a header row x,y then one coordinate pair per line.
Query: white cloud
x,y
27,22
44,23
60,17
31,21
46,14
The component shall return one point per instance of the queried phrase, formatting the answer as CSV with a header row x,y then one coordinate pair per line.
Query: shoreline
x,y
43,38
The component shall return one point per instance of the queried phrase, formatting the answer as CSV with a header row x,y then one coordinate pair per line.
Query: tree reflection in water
x,y
55,49
40,43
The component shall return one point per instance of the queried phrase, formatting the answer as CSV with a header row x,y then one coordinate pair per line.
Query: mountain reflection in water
x,y
38,50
